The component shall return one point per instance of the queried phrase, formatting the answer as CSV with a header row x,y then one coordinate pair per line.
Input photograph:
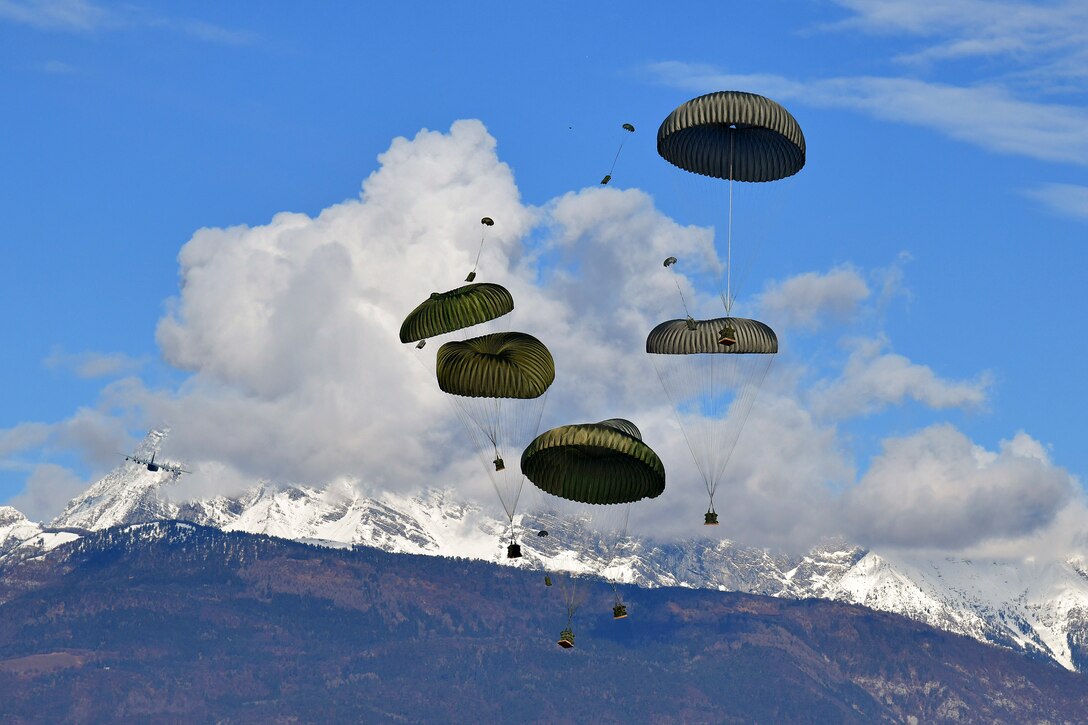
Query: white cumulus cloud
x,y
873,379
812,299
937,489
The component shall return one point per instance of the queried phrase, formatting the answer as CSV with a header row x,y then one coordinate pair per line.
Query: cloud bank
x,y
289,333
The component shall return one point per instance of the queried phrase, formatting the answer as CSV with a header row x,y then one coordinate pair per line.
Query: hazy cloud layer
x,y
290,333
77,15
986,115
80,16
48,489
90,364
1066,199
1054,34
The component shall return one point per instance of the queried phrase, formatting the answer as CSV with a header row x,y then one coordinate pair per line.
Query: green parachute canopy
x,y
456,309
733,135
692,337
499,365
594,463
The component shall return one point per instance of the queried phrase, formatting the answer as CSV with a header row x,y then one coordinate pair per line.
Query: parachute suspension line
x,y
487,222
525,436
682,300
615,159
614,550
676,404
608,177
498,427
729,238
472,275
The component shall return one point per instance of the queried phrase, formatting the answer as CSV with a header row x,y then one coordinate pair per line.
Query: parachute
x,y
591,472
498,384
487,222
712,371
608,177
456,309
594,463
733,135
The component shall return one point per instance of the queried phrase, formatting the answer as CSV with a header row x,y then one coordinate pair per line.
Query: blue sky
x,y
924,270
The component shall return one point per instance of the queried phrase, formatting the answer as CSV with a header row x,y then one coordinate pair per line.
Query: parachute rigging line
x,y
487,222
608,177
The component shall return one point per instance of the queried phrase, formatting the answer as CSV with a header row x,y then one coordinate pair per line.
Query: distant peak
x,y
10,515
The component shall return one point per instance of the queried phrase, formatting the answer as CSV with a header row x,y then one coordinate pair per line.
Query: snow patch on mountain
x,y
128,494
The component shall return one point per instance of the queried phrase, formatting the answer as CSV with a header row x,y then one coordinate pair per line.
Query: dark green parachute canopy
x,y
487,221
454,310
628,127
623,426
761,139
499,365
676,337
669,261
594,463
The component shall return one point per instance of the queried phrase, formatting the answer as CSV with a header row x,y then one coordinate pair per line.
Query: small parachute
x,y
669,261
487,222
608,177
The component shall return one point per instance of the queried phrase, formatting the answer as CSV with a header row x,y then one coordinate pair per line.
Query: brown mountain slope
x,y
176,623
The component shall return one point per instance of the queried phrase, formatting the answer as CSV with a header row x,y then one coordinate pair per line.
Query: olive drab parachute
x,y
487,221
591,472
499,365
594,463
498,383
712,371
733,135
445,312
629,128
669,261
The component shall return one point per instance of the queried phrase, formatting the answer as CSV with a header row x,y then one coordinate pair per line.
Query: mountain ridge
x,y
1042,612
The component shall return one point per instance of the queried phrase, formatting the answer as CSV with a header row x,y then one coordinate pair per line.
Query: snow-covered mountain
x,y
1040,608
